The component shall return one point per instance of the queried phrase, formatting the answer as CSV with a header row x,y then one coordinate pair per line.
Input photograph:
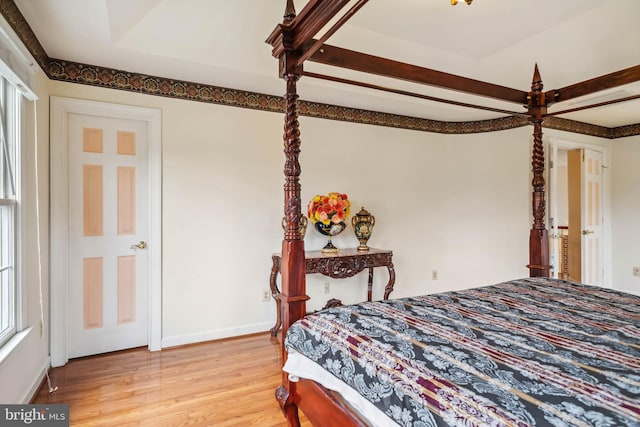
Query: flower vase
x,y
363,223
330,230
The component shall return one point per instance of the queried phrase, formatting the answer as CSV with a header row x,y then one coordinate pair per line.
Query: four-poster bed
x,y
294,43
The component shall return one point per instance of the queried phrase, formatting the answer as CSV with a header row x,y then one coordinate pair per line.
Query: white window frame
x,y
11,309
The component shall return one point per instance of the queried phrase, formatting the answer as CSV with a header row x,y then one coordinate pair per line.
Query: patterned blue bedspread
x,y
526,352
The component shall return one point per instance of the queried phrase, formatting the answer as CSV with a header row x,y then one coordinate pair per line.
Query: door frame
x,y
554,144
552,179
60,108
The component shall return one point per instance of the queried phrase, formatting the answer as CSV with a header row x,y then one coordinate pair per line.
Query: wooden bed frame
x,y
293,43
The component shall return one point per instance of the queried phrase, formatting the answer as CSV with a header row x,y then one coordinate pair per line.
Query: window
x,y
10,107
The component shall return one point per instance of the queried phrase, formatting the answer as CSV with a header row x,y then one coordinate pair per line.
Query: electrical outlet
x,y
327,287
636,271
266,295
434,275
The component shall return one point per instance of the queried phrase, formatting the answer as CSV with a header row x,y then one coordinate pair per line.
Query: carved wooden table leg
x,y
346,263
392,281
275,293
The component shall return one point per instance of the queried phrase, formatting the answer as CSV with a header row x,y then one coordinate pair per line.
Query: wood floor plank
x,y
219,383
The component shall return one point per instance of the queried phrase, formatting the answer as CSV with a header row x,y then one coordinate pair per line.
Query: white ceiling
x,y
222,43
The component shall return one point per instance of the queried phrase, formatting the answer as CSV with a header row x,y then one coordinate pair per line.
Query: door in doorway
x,y
108,230
584,181
591,229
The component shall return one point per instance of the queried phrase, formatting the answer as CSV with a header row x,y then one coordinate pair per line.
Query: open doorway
x,y
576,213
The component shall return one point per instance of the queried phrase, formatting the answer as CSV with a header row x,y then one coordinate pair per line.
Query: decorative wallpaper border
x,y
355,115
61,70
624,131
152,85
12,15
573,126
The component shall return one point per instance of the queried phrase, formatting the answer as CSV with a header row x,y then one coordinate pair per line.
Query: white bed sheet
x,y
299,366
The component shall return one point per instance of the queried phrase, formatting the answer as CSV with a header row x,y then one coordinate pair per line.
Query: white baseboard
x,y
35,386
215,334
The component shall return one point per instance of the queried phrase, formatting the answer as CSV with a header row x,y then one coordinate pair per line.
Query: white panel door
x,y
108,230
592,247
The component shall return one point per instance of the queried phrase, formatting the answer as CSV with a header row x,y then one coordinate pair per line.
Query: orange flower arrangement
x,y
333,208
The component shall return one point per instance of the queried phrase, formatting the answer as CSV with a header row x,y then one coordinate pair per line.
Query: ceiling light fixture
x,y
455,2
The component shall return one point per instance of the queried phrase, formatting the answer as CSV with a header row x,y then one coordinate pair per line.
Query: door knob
x,y
141,245
585,232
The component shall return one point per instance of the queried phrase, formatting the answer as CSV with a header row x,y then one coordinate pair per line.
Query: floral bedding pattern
x,y
529,352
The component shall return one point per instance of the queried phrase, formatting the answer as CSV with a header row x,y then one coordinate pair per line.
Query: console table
x,y
345,263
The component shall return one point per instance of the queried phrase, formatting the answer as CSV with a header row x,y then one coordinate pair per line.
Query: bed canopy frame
x,y
294,42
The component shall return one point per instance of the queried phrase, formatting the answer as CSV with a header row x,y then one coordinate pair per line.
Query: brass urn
x,y
302,225
363,223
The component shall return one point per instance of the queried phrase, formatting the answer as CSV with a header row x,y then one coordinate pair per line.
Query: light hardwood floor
x,y
220,383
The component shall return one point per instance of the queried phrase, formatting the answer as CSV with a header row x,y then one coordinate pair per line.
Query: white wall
x,y
452,203
23,368
626,213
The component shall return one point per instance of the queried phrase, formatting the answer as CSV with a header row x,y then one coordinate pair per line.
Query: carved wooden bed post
x,y
293,294
539,236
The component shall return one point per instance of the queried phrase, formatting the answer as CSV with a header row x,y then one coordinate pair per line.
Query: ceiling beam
x,y
597,84
331,31
599,104
352,60
412,94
